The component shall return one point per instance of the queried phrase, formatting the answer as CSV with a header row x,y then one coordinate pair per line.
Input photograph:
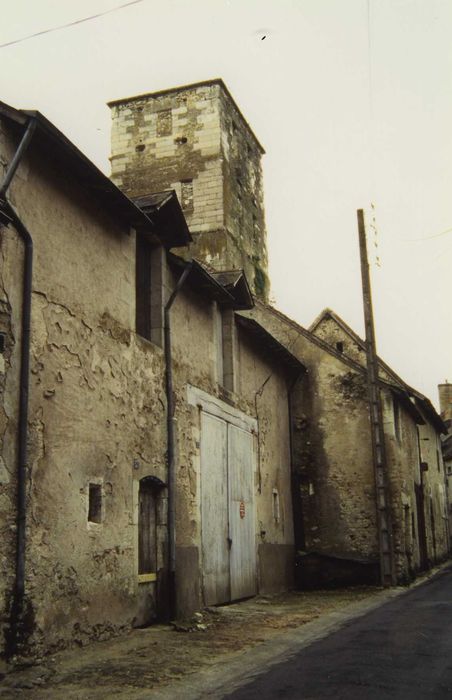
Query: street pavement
x,y
401,650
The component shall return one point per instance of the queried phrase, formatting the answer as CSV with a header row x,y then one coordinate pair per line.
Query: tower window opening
x,y
95,503
187,194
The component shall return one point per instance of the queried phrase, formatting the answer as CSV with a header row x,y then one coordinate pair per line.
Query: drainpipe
x,y
171,443
297,508
17,609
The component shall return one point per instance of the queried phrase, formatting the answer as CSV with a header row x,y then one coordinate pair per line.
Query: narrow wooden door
x,y
419,491
214,510
147,542
241,513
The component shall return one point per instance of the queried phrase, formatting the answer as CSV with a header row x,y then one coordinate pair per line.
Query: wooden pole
x,y
384,522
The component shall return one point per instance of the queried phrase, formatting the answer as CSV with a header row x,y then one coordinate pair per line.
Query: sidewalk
x,y
189,660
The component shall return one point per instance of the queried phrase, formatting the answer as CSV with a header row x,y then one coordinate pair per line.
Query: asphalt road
x,y
402,650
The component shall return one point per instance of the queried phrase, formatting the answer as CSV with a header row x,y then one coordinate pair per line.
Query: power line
x,y
428,238
70,24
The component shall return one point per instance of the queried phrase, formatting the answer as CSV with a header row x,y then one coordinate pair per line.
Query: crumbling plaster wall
x,y
332,458
194,361
434,478
332,333
402,455
403,466
96,410
10,302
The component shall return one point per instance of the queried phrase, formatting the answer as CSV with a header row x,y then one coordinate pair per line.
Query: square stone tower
x,y
195,140
445,400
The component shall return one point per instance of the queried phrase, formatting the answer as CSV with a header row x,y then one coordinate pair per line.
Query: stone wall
x,y
333,458
333,455
98,419
96,409
194,140
435,493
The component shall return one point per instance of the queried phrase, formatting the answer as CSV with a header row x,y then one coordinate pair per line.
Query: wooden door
x,y
147,541
214,510
241,513
422,537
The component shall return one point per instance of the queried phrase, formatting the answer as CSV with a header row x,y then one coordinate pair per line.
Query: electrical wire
x,y
70,24
428,238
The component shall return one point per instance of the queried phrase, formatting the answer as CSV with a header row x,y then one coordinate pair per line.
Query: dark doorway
x,y
423,560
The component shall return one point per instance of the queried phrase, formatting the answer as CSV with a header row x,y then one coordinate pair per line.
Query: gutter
x,y
171,443
17,626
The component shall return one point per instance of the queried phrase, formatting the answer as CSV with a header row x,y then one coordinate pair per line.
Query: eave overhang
x,y
164,210
237,285
268,343
70,158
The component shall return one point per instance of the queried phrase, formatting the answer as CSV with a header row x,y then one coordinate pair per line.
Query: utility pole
x,y
376,421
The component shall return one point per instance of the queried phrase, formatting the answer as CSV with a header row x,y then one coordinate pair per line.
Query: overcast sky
x,y
352,101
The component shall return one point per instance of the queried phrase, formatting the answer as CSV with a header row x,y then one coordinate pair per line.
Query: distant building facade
x,y
445,405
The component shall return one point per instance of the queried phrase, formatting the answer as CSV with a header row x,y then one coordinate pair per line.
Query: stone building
x,y
167,438
334,489
195,140
445,405
125,497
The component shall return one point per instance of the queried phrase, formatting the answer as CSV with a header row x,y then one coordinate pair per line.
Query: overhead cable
x,y
70,24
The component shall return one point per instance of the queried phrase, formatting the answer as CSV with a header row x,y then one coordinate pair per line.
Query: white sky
x,y
350,112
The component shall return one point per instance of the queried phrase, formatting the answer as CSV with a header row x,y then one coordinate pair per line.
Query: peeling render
x,y
97,413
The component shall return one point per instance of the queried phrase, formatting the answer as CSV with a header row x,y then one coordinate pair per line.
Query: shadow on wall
x,y
314,570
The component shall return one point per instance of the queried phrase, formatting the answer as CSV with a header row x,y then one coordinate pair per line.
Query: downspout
x,y
171,443
17,608
297,508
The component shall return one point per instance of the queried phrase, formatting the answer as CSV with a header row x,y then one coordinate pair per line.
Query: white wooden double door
x,y
227,511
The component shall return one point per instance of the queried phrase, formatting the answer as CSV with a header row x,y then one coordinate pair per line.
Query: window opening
x,y
2,342
95,503
143,288
187,194
340,346
164,123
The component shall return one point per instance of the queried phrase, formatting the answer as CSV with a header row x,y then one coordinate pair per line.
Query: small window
x,y
340,346
2,343
143,288
95,503
164,123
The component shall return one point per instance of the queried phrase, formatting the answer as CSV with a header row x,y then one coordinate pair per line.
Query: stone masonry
x,y
194,139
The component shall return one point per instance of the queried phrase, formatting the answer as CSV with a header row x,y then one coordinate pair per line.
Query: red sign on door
x,y
242,509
